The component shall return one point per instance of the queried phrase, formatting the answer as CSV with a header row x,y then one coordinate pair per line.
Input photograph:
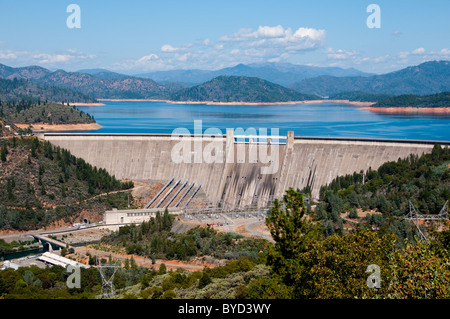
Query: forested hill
x,y
359,96
22,101
433,100
45,112
425,181
101,86
240,89
427,78
114,88
42,184
18,90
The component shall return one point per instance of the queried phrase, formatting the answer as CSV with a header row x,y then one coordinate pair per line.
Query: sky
x,y
137,36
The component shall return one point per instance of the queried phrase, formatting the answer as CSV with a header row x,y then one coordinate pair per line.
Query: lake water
x,y
322,120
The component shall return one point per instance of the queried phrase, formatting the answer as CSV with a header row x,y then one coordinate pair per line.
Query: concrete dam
x,y
235,171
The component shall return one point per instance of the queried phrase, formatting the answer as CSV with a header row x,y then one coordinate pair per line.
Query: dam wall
x,y
234,172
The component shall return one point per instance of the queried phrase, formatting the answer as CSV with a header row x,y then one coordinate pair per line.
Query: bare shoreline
x,y
357,103
41,127
408,110
362,105
88,104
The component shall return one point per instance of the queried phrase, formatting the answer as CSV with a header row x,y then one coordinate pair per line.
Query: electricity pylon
x,y
107,272
416,218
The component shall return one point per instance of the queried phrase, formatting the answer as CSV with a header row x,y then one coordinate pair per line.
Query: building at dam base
x,y
132,216
236,172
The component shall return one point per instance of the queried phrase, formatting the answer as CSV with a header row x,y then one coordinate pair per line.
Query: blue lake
x,y
323,120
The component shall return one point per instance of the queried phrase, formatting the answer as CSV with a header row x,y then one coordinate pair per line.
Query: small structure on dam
x,y
233,171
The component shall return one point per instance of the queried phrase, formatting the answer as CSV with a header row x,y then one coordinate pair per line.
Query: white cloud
x,y
184,57
46,59
57,58
443,54
169,48
8,55
145,62
241,35
278,37
148,58
405,54
340,54
384,63
270,32
418,51
266,43
313,34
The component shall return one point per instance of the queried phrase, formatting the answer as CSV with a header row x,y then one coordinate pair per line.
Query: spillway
x,y
235,173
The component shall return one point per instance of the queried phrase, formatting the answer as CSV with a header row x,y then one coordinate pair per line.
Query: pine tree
x,y
4,151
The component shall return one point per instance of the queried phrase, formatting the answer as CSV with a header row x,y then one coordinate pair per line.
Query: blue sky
x,y
138,36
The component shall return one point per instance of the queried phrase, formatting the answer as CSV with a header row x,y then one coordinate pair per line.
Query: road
x,y
142,261
249,228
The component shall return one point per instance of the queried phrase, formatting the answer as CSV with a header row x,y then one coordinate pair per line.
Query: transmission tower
x,y
107,272
415,217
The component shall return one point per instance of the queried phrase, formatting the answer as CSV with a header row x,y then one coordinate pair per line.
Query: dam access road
x,y
236,172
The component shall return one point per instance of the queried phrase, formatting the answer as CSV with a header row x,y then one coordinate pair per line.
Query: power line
x,y
416,218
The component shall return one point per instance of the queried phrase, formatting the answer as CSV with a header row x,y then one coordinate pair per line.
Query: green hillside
x,y
359,96
45,112
22,101
433,100
425,181
113,88
42,184
239,89
18,90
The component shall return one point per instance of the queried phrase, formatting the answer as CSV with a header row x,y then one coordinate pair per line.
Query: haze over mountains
x,y
284,74
426,78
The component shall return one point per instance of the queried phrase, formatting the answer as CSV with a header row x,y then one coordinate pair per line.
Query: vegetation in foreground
x,y
153,239
386,192
303,263
306,261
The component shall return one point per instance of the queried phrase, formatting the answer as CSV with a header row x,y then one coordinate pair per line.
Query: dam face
x,y
234,172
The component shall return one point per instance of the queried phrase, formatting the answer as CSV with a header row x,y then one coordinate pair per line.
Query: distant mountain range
x,y
103,84
426,78
240,88
113,87
22,90
284,74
